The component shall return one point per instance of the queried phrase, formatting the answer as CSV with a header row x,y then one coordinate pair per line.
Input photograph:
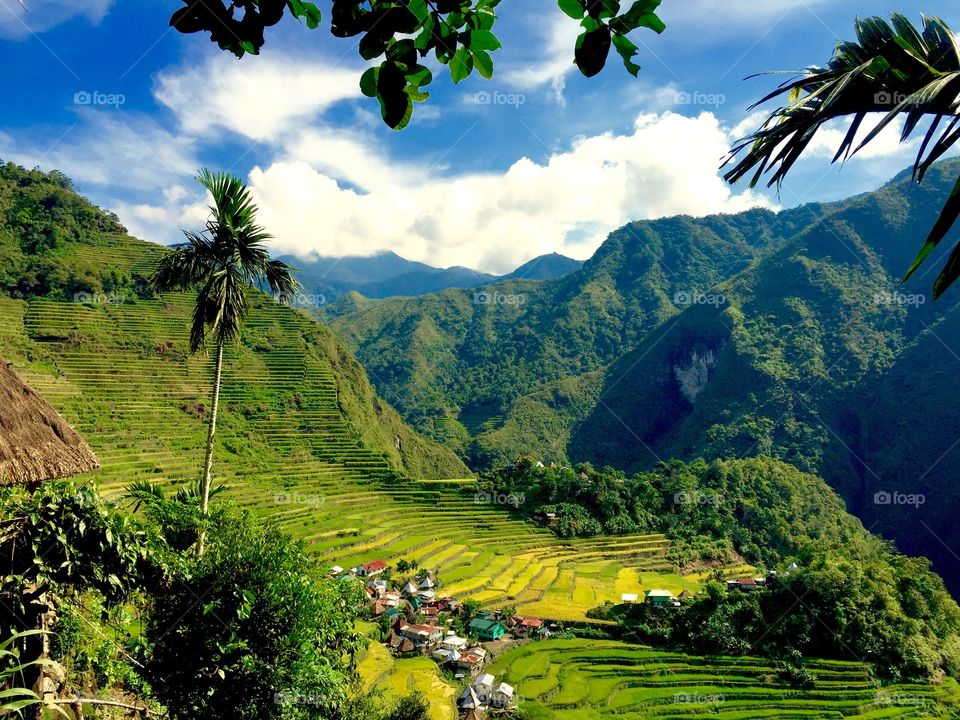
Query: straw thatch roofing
x,y
36,444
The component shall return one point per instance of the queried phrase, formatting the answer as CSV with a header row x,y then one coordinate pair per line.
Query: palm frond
x,y
892,69
143,492
223,262
185,266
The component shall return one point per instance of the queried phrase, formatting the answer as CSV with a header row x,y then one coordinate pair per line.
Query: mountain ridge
x,y
785,355
387,274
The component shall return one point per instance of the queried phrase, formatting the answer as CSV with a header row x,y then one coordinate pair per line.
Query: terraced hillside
x,y
302,440
591,680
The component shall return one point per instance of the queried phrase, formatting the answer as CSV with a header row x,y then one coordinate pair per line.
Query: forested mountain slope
x,y
807,350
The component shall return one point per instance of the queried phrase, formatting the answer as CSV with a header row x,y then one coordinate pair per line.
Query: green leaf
x,y
592,49
461,65
484,63
419,9
627,51
949,273
424,39
483,40
368,82
602,9
419,76
573,8
307,10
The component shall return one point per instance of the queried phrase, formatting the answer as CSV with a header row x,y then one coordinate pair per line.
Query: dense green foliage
x,y
881,608
40,214
763,509
251,627
473,354
250,630
401,33
60,537
853,597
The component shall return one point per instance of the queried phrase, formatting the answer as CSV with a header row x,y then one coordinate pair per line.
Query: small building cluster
x,y
419,621
483,694
746,584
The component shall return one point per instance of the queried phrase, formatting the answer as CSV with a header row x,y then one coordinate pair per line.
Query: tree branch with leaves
x,y
399,34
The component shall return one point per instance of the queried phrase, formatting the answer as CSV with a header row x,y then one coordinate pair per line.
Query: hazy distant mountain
x,y
388,275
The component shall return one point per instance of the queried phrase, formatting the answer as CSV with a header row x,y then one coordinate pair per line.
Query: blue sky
x,y
489,174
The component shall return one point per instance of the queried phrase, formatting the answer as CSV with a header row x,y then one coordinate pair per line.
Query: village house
x,y
526,626
483,693
410,588
454,642
423,636
427,583
336,571
483,687
445,655
660,598
486,629
371,568
629,598
469,702
378,586
400,645
471,660
502,697
746,584
448,605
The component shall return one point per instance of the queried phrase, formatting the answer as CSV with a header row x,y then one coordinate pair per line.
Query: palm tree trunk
x,y
208,462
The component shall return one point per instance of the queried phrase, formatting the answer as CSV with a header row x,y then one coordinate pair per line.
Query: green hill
x,y
302,440
469,355
801,347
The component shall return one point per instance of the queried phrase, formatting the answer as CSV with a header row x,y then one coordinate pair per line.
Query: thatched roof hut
x,y
36,444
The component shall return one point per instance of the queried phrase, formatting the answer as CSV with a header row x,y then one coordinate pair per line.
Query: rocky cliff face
x,y
693,375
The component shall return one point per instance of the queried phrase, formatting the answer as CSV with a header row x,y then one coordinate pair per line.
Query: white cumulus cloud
x,y
259,100
495,221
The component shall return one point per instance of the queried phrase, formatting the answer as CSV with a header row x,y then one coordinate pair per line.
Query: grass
x,y
401,676
566,679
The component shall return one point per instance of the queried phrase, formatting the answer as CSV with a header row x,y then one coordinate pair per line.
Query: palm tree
x,y
894,69
223,262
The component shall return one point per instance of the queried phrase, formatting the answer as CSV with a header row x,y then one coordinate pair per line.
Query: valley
x,y
295,450
809,352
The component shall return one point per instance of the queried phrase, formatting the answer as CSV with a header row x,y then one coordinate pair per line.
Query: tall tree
x,y
893,68
223,262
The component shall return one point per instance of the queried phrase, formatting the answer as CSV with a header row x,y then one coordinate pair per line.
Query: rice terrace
x,y
468,360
